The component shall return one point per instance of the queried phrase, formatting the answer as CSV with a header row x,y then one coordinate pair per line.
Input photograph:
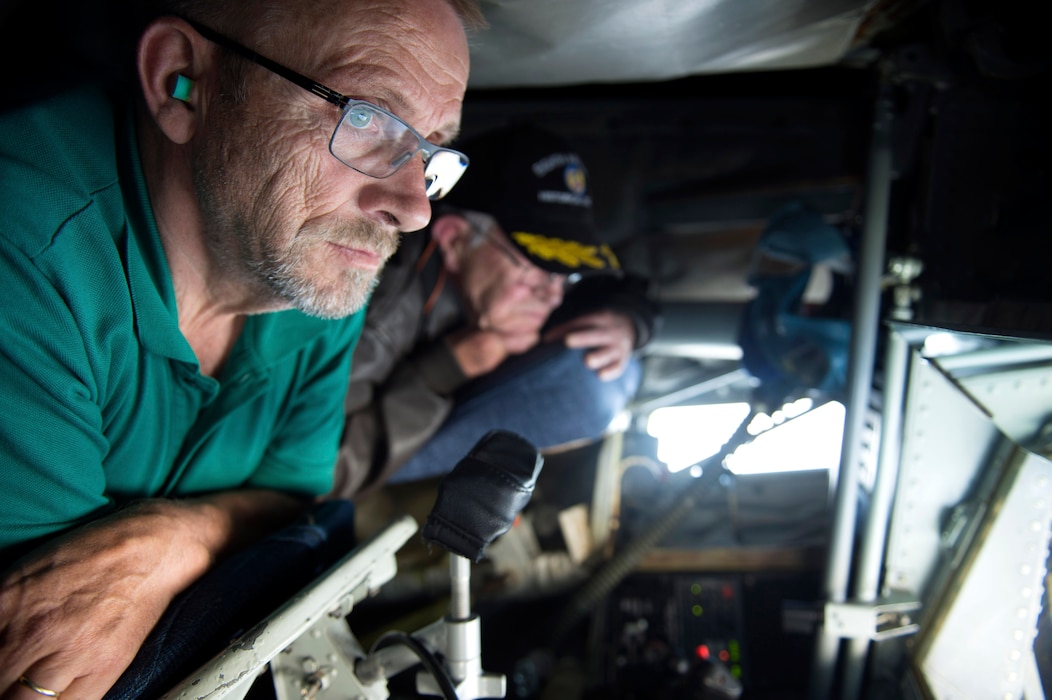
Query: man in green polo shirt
x,y
183,277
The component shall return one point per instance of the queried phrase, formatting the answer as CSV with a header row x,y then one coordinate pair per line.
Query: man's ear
x,y
174,65
452,233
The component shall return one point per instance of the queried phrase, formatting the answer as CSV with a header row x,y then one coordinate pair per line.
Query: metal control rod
x,y
865,326
867,582
460,587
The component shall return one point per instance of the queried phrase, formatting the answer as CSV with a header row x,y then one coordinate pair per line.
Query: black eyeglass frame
x,y
331,96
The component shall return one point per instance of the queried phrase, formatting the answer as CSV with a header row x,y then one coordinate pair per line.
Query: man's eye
x,y
360,118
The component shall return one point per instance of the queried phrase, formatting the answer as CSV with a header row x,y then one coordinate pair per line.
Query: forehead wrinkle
x,y
414,77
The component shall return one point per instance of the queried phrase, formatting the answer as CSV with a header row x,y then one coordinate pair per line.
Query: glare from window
x,y
938,344
689,434
811,440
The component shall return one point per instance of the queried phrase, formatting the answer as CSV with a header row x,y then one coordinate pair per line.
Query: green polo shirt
x,y
101,397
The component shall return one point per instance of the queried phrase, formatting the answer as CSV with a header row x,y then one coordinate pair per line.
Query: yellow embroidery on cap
x,y
611,259
568,253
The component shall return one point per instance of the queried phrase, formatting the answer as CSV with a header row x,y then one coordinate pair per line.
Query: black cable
x,y
427,659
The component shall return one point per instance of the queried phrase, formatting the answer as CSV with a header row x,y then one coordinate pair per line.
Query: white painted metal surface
x,y
229,674
982,641
945,442
1019,401
970,530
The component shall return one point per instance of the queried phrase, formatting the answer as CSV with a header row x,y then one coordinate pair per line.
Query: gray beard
x,y
289,279
306,296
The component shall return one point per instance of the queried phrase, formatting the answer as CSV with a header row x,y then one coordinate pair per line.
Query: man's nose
x,y
401,198
550,289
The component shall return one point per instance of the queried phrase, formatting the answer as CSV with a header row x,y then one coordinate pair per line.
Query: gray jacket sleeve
x,y
393,406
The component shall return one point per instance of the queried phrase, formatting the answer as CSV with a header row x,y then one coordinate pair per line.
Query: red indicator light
x,y
702,651
724,655
728,591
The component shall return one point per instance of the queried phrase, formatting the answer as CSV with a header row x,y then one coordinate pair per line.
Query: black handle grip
x,y
479,500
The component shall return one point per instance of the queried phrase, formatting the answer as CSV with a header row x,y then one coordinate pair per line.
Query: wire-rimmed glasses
x,y
540,282
368,138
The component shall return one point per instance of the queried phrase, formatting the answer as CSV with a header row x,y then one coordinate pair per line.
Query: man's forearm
x,y
113,578
226,521
179,540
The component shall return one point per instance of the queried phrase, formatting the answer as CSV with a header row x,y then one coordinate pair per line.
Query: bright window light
x,y
688,434
811,440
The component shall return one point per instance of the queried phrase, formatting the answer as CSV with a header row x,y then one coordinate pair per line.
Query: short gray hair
x,y
219,15
470,14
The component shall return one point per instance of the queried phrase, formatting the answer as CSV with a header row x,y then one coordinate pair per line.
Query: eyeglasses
x,y
367,138
529,275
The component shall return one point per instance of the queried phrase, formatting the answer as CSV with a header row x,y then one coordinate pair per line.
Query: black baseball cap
x,y
533,183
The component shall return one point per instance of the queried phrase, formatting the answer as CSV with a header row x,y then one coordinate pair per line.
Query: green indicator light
x,y
736,671
697,610
735,650
695,588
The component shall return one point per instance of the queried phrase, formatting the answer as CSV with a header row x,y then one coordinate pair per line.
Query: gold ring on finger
x,y
46,692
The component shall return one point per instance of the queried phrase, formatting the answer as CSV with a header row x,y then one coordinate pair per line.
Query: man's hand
x,y
74,613
480,352
610,336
